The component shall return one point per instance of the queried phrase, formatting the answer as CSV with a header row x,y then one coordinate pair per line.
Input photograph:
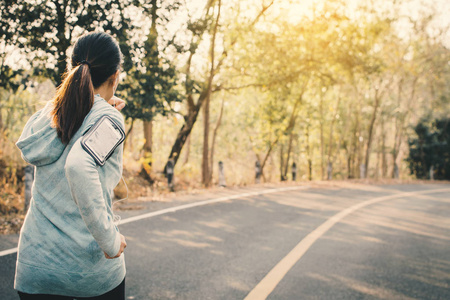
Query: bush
x,y
431,148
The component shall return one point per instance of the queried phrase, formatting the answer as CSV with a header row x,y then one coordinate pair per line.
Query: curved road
x,y
348,241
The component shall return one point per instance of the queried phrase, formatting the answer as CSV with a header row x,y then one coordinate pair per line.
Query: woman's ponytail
x,y
73,101
96,57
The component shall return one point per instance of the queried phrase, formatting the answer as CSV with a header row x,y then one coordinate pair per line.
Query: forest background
x,y
340,88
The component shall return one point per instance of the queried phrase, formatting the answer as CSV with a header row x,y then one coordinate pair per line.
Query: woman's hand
x,y
123,245
117,103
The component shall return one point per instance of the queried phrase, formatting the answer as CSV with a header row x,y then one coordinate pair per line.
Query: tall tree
x,y
201,89
206,164
150,85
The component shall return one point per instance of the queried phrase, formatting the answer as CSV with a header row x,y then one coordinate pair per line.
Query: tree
x,y
202,88
294,63
151,83
46,30
429,151
206,162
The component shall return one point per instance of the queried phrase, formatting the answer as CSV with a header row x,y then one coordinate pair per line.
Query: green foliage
x,y
10,79
151,79
150,86
431,148
46,29
322,83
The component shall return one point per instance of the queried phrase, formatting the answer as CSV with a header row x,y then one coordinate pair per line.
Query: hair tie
x,y
85,62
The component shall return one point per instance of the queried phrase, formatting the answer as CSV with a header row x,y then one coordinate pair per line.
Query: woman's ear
x,y
115,77
115,80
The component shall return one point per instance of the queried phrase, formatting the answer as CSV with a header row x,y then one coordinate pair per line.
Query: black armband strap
x,y
102,139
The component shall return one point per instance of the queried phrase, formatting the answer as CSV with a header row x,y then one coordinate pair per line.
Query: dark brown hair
x,y
96,56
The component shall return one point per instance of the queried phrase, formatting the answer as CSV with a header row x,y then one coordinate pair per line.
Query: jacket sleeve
x,y
86,189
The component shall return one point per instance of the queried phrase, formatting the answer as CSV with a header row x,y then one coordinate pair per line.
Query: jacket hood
x,y
39,142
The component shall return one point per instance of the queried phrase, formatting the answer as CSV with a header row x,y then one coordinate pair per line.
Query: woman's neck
x,y
104,91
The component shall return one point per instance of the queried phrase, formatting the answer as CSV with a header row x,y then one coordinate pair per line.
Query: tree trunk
x,y
322,146
272,145
349,167
148,124
282,178
213,143
358,158
333,121
148,136
63,42
354,154
348,143
378,166
188,151
185,131
308,151
384,165
1,120
400,125
205,158
286,166
371,129
290,130
357,141
206,178
127,135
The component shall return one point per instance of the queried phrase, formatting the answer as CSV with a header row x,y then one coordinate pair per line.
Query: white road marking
x,y
186,206
266,286
206,202
7,252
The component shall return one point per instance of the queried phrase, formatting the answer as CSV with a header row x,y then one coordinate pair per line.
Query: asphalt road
x,y
378,242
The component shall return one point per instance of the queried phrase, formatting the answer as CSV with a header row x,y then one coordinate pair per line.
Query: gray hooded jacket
x,y
70,221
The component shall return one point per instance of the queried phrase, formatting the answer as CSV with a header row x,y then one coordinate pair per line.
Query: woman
x,y
69,246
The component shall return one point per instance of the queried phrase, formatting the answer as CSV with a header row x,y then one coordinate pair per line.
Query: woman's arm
x,y
82,175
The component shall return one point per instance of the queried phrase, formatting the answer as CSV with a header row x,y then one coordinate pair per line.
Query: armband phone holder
x,y
102,139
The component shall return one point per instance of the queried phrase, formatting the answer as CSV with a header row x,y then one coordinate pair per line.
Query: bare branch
x,y
218,88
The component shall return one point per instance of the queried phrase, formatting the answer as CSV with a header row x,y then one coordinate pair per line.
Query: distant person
x,y
222,181
169,174
257,172
69,245
330,171
294,171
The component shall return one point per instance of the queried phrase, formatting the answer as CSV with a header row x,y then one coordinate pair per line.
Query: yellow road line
x,y
266,286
